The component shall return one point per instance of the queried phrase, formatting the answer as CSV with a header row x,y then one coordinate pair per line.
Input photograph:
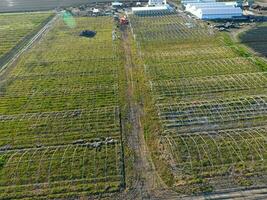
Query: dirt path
x,y
148,184
135,138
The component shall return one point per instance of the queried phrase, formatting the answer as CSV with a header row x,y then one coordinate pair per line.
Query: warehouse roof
x,y
206,4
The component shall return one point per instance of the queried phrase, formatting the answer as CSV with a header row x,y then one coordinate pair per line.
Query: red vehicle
x,y
124,20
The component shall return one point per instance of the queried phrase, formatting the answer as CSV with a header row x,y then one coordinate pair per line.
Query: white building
x,y
116,4
151,10
96,11
156,2
154,7
214,10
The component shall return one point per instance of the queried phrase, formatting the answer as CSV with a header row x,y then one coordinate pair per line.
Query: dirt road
x,y
135,138
148,184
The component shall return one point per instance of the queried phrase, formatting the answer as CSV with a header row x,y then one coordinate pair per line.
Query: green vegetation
x,y
206,122
15,27
61,106
60,116
256,38
2,161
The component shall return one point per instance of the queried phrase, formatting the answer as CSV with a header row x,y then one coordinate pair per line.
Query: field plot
x,y
224,66
16,27
211,100
60,116
30,5
251,38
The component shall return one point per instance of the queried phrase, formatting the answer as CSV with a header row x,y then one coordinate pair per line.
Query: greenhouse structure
x,y
214,10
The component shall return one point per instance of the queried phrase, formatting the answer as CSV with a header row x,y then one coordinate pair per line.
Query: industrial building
x,y
210,9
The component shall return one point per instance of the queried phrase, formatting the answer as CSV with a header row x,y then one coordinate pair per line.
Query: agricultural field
x,y
251,38
16,27
60,132
37,5
210,101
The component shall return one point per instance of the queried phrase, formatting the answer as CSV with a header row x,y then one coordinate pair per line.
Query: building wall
x,y
221,16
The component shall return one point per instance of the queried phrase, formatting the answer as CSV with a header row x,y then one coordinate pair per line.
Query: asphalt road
x,y
34,5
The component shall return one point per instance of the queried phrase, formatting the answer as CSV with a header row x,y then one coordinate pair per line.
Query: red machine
x,y
124,20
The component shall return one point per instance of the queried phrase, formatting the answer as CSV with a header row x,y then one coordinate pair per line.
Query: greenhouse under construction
x,y
152,10
210,9
154,7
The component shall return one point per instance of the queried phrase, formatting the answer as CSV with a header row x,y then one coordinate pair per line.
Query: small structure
x,y
156,2
116,4
96,11
138,3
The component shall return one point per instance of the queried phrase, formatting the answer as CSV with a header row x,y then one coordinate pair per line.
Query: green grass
x,y
14,27
59,116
